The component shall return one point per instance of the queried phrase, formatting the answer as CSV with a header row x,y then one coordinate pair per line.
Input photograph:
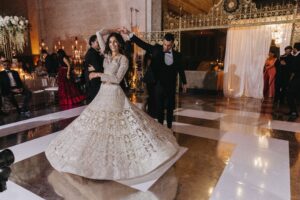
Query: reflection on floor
x,y
238,149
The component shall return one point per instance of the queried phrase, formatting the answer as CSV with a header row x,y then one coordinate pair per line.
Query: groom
x,y
95,59
165,65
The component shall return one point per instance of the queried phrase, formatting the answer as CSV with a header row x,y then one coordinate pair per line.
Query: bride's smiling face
x,y
114,45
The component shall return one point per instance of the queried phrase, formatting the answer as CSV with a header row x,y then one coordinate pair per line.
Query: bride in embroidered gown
x,y
112,139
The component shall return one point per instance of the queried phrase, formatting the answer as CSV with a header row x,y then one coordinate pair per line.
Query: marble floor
x,y
236,149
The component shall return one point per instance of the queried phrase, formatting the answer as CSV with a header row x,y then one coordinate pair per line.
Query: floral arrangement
x,y
13,23
13,31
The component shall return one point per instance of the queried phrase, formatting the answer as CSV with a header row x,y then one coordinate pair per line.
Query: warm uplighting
x,y
210,190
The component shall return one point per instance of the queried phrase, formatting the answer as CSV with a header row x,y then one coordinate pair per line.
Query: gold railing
x,y
246,13
157,37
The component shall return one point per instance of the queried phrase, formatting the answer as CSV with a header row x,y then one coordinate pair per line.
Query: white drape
x,y
286,30
246,51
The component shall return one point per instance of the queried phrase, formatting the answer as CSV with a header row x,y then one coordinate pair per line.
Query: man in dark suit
x,y
2,58
166,65
93,63
50,62
294,84
283,74
11,85
149,80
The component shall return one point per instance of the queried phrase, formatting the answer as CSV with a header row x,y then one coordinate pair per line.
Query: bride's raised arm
x,y
100,38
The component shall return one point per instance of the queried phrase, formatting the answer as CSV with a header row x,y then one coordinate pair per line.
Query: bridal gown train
x,y
112,139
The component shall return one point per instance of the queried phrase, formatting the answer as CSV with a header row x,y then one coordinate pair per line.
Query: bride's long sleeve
x,y
100,39
120,73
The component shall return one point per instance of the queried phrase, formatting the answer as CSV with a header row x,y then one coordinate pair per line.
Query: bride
x,y
112,139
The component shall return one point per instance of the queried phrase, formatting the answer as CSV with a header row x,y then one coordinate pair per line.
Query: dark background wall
x,y
205,45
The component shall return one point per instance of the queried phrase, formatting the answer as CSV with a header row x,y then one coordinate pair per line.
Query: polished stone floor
x,y
237,149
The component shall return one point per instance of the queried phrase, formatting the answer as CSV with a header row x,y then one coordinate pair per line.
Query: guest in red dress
x,y
269,74
68,94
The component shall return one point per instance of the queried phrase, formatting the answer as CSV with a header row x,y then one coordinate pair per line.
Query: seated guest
x,y
26,66
11,85
1,111
40,70
2,58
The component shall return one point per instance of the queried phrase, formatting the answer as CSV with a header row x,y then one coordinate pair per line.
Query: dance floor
x,y
231,149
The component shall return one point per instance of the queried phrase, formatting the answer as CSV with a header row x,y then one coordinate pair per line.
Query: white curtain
x,y
246,51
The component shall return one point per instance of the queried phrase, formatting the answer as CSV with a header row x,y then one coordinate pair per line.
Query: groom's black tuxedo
x,y
93,57
165,77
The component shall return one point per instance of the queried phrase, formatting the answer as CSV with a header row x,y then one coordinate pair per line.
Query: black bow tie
x,y
168,52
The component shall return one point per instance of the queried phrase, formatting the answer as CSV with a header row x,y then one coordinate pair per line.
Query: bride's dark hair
x,y
120,41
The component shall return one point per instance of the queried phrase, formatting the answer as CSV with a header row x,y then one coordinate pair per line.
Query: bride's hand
x,y
119,30
99,74
91,68
124,30
93,75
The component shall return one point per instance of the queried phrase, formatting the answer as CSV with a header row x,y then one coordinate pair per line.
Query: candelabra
x,y
43,46
77,57
77,52
58,45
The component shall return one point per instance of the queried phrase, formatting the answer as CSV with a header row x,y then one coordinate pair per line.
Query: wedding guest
x,y
95,59
69,95
294,84
11,85
40,70
51,63
283,74
150,85
269,74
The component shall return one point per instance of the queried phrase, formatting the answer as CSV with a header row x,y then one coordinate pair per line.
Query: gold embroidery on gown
x,y
112,138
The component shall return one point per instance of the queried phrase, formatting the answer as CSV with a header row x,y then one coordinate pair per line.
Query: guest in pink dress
x,y
269,74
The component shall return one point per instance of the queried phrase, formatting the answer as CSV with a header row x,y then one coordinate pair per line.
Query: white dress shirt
x,y
11,79
169,58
